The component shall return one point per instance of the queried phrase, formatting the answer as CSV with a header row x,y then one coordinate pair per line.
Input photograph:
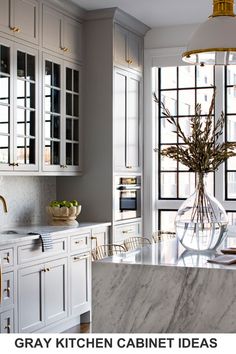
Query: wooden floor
x,y
81,328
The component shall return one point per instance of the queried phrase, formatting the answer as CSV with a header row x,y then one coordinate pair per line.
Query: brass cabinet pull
x,y
128,166
79,258
129,61
8,327
126,231
15,29
65,49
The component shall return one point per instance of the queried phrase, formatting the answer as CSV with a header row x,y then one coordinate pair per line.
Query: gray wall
x,y
26,198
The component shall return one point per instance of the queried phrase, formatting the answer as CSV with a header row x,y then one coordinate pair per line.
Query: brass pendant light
x,y
214,42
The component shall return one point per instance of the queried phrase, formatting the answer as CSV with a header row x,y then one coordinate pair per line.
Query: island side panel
x,y
133,298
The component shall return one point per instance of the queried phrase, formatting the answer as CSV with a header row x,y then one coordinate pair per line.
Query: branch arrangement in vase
x,y
201,152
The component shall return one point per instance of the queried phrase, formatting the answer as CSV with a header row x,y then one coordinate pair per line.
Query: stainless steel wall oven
x,y
127,197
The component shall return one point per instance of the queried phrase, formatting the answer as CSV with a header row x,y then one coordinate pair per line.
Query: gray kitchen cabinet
x,y
7,289
124,231
128,49
20,18
127,108
42,297
100,236
18,105
80,287
62,116
62,34
6,322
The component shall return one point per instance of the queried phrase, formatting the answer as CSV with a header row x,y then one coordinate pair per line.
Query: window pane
x,y
76,154
204,97
186,102
20,64
186,76
169,98
4,119
69,79
186,184
168,164
231,185
5,59
76,130
168,184
4,149
76,81
167,132
4,89
168,77
30,67
205,75
231,128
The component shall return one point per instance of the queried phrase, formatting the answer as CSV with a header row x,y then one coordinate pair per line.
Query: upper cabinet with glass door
x,y
61,116
20,18
18,109
62,34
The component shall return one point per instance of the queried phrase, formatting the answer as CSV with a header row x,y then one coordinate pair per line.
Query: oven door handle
x,y
126,188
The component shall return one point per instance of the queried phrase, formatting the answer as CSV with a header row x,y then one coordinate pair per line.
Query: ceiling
x,y
157,13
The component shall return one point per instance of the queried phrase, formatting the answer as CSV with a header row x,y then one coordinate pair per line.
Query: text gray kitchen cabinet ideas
x,y
20,18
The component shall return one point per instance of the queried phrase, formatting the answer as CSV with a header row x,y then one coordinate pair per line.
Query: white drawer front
x,y
125,231
33,250
80,242
6,258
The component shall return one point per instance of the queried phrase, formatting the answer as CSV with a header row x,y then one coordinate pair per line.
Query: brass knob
x,y
13,29
18,29
129,61
47,269
44,270
65,49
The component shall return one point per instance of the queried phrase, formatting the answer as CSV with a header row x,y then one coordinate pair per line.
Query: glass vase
x,y
201,221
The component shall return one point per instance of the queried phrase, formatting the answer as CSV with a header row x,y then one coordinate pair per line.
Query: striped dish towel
x,y
46,241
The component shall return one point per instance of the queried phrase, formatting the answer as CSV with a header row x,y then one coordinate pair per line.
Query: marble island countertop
x,y
22,233
172,253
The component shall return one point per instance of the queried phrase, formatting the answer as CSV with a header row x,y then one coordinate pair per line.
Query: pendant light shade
x,y
214,42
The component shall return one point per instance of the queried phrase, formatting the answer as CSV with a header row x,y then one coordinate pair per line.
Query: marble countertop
x,y
6,237
171,253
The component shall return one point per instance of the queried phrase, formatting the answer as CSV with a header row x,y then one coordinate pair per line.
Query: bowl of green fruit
x,y
63,212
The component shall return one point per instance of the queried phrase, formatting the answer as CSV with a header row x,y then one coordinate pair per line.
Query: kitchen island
x,y
163,288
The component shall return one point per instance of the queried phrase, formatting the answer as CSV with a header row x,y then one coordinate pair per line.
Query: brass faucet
x,y
4,203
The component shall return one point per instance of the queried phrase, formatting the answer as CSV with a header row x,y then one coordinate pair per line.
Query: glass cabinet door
x,y
52,114
5,104
72,116
25,152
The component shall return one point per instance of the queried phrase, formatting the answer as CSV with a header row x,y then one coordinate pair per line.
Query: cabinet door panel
x,y
7,322
26,19
55,291
80,282
133,114
7,290
135,51
52,29
120,45
5,15
119,120
30,297
72,38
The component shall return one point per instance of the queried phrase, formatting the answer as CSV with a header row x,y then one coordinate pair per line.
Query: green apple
x,y
54,203
63,203
69,204
74,202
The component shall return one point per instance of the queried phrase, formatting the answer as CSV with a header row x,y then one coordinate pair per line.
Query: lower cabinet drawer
x,y
80,242
124,231
33,250
7,325
6,258
7,290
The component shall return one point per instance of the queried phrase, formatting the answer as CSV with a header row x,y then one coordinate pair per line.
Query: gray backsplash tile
x,y
26,198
